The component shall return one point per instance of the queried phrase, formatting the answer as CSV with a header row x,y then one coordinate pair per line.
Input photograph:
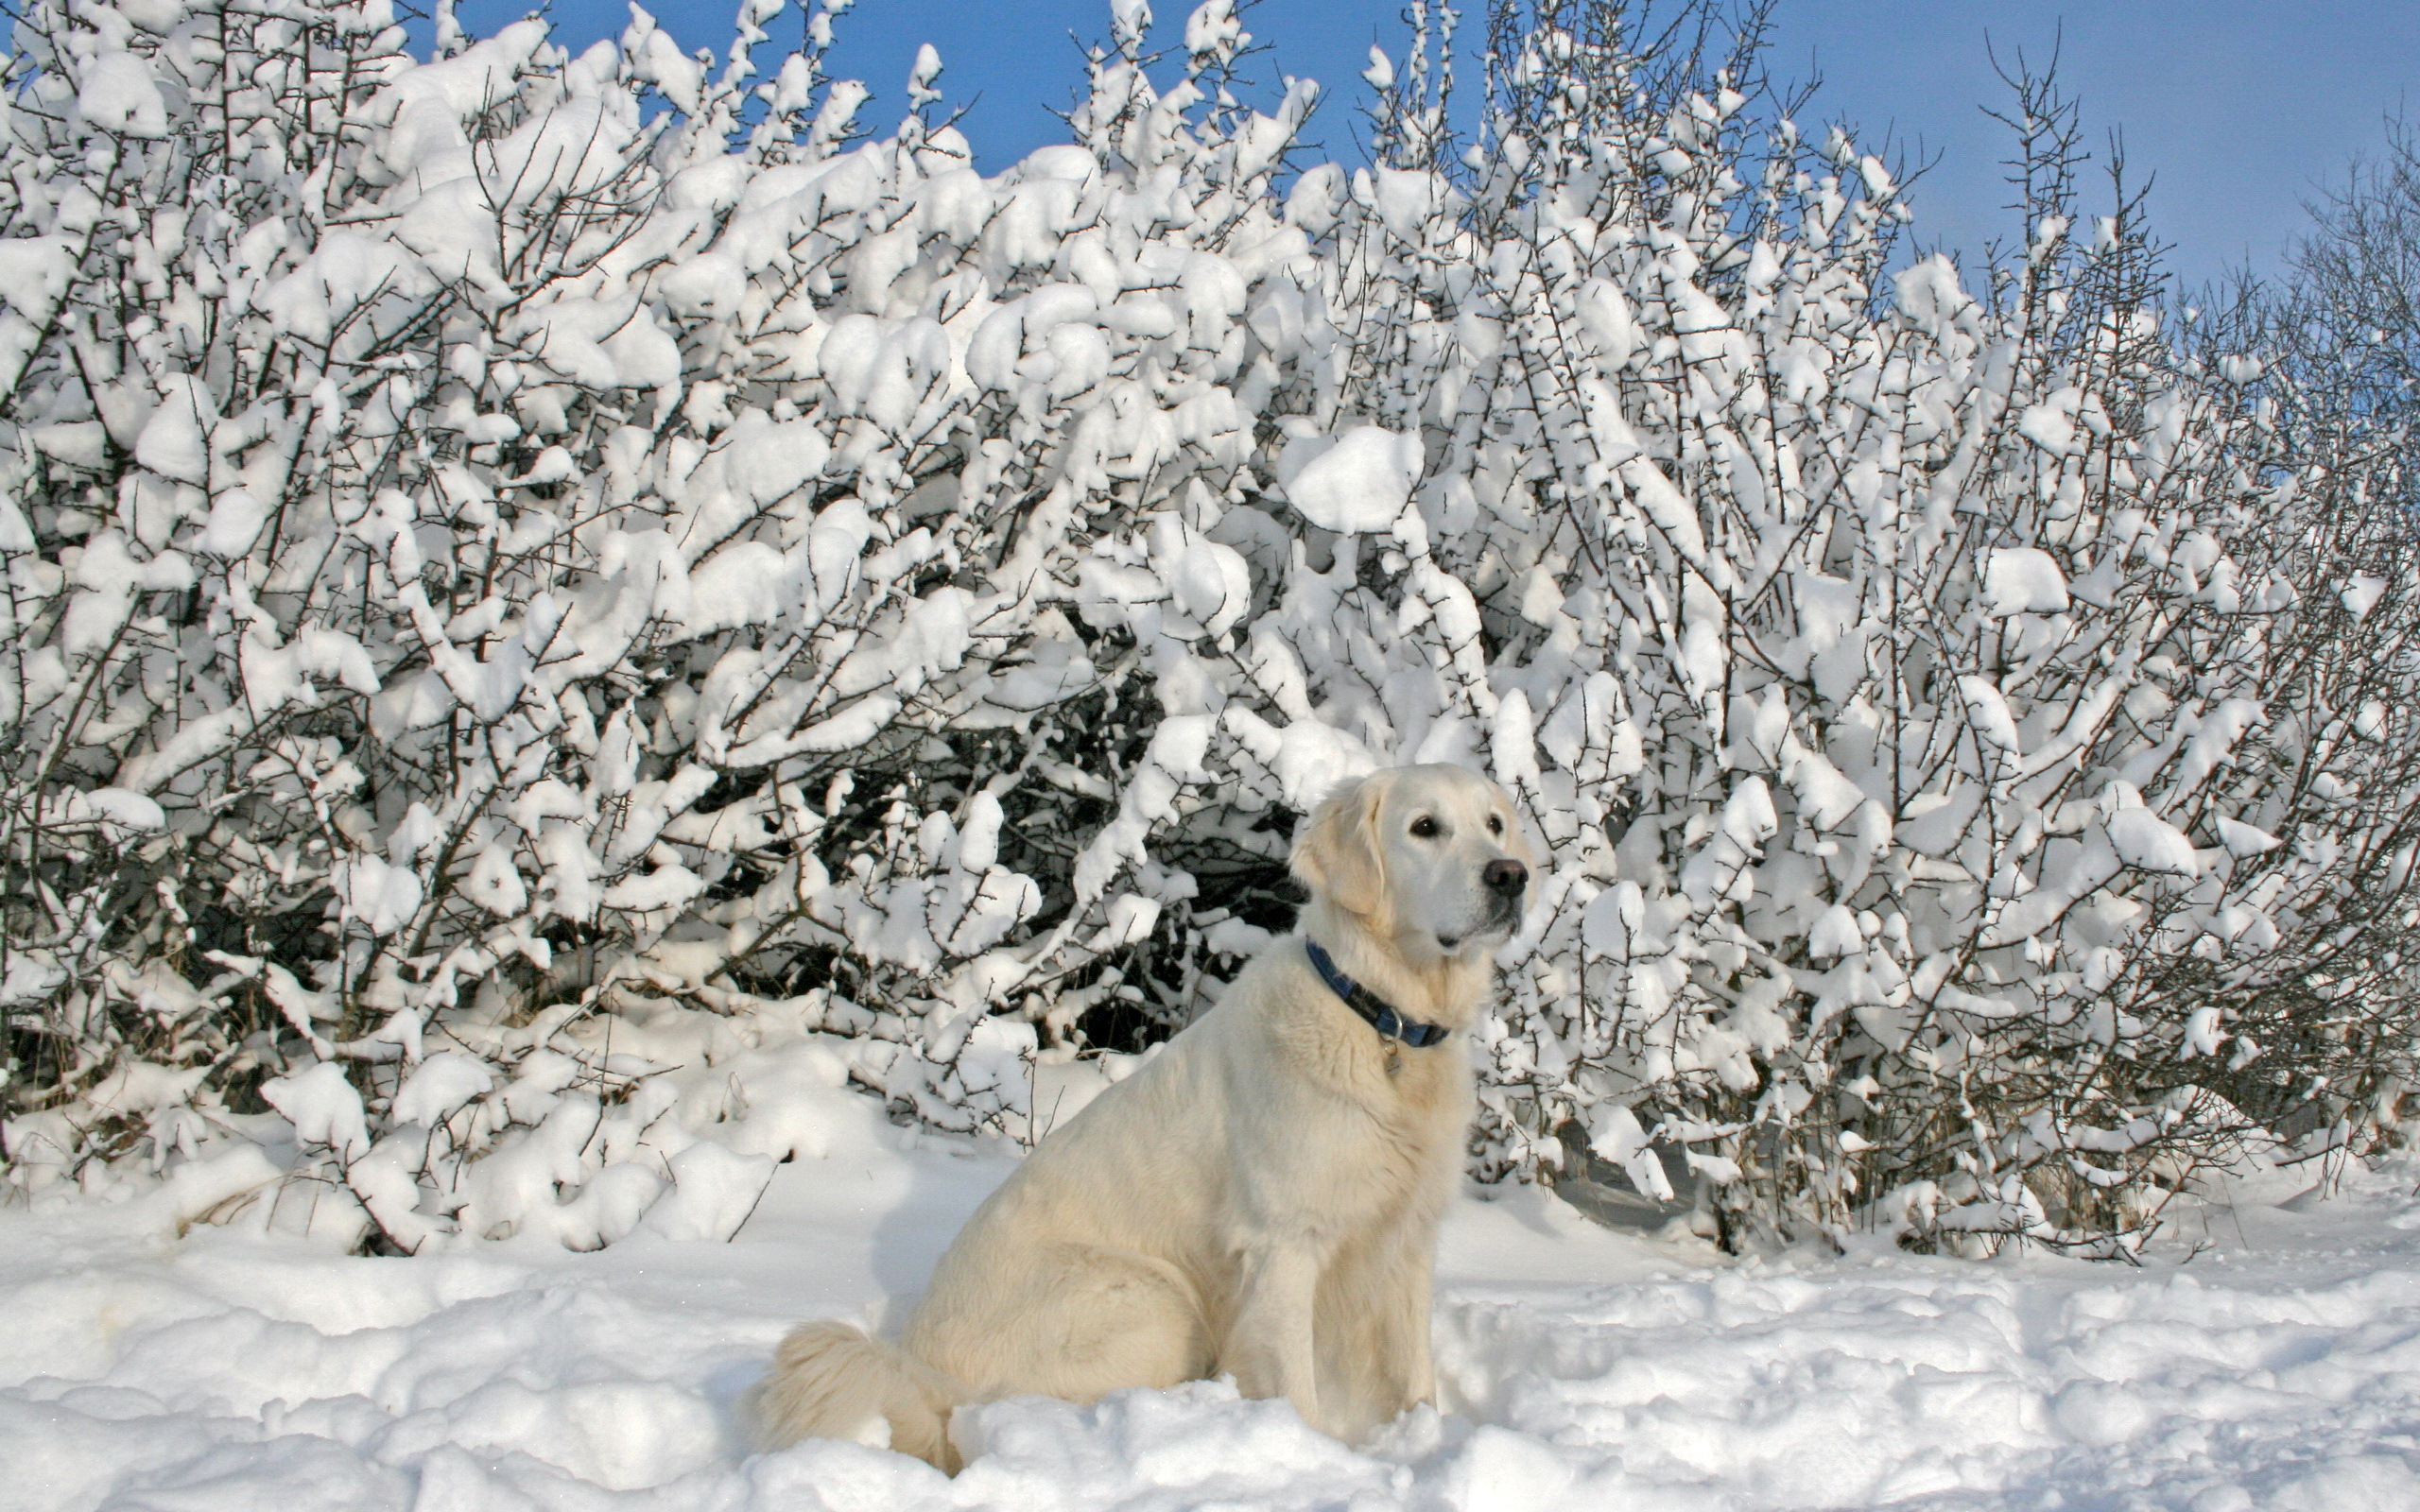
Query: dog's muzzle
x,y
1501,883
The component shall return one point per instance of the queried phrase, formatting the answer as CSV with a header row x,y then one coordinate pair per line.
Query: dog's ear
x,y
1337,853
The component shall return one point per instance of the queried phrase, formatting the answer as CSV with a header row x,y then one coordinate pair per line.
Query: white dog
x,y
1260,1199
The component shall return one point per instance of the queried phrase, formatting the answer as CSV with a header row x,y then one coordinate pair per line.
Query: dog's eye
x,y
1424,827
1496,824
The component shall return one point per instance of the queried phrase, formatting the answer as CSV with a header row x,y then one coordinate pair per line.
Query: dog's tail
x,y
830,1380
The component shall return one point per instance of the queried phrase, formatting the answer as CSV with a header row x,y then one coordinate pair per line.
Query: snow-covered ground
x,y
2278,1370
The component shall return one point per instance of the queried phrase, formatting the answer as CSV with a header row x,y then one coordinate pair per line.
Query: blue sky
x,y
2241,108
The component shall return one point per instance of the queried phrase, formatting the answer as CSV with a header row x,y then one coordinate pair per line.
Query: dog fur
x,y
1260,1199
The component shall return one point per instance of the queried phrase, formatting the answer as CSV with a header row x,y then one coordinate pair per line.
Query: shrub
x,y
533,574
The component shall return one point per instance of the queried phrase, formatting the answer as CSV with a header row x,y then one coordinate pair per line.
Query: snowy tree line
x,y
530,573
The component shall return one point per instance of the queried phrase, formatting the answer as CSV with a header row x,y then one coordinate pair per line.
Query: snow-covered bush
x,y
496,564
1978,768
2334,339
550,593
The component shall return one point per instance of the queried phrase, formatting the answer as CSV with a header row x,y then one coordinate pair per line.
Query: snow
x,y
383,897
323,1107
2260,1357
2361,593
1212,584
34,272
2051,424
174,440
1358,482
714,1190
119,94
2022,580
438,1086
2143,839
235,521
2244,839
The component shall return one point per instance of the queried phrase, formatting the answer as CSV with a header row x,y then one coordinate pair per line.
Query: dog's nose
x,y
1505,876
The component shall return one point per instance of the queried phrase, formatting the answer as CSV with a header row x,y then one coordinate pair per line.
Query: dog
x,y
1261,1198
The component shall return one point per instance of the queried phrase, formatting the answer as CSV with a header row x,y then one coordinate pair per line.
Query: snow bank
x,y
1581,1370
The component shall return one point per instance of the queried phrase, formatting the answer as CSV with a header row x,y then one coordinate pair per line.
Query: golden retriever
x,y
1261,1198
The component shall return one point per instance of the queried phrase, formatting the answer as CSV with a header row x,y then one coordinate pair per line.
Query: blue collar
x,y
1377,1010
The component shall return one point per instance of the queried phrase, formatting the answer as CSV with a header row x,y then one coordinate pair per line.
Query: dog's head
x,y
1428,858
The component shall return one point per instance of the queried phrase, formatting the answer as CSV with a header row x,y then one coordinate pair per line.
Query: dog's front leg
x,y
1403,1352
1270,1350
